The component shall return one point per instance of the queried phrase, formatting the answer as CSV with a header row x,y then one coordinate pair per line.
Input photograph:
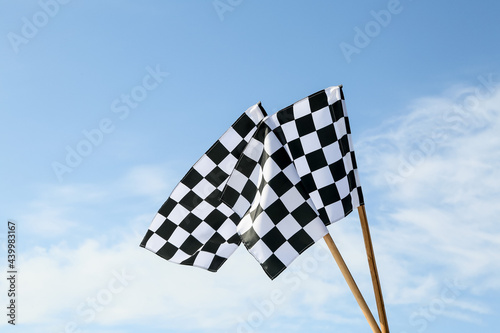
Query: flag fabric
x,y
271,182
194,227
297,175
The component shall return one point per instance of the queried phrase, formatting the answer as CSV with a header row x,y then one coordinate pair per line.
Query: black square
x,y
327,135
190,200
215,219
347,125
190,261
304,214
249,191
305,125
337,111
280,184
277,211
167,251
236,152
344,145
281,158
338,170
146,238
217,262
217,152
213,243
248,164
230,196
191,245
308,184
347,204
316,160
249,238
243,125
329,194
166,229
214,198
192,178
318,101
296,148
301,241
351,179
167,207
190,223
274,239
273,266
353,159
285,115
216,176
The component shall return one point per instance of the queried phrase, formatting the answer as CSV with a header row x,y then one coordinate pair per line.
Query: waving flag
x,y
194,227
297,175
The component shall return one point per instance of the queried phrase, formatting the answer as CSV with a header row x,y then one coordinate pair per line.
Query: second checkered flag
x,y
297,175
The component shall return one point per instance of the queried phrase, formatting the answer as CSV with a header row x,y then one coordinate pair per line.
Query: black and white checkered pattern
x,y
297,175
194,227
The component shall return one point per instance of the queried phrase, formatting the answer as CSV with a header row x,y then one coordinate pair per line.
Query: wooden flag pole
x,y
373,269
352,284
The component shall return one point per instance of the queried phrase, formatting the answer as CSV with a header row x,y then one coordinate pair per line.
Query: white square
x,y
316,229
203,259
157,222
178,237
335,211
260,251
227,229
291,173
241,206
225,209
333,94
255,113
262,224
271,143
343,187
178,214
290,131
310,142
332,153
202,210
322,118
323,177
270,169
292,199
348,162
231,139
302,166
179,192
288,226
203,232
286,253
301,108
155,243
340,128
226,249
179,256
237,181
268,197
227,164
203,189
253,150
204,165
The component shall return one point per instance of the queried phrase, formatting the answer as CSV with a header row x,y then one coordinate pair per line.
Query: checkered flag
x,y
194,227
297,175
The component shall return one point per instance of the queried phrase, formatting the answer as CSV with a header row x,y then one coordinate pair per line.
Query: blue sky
x,y
422,87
